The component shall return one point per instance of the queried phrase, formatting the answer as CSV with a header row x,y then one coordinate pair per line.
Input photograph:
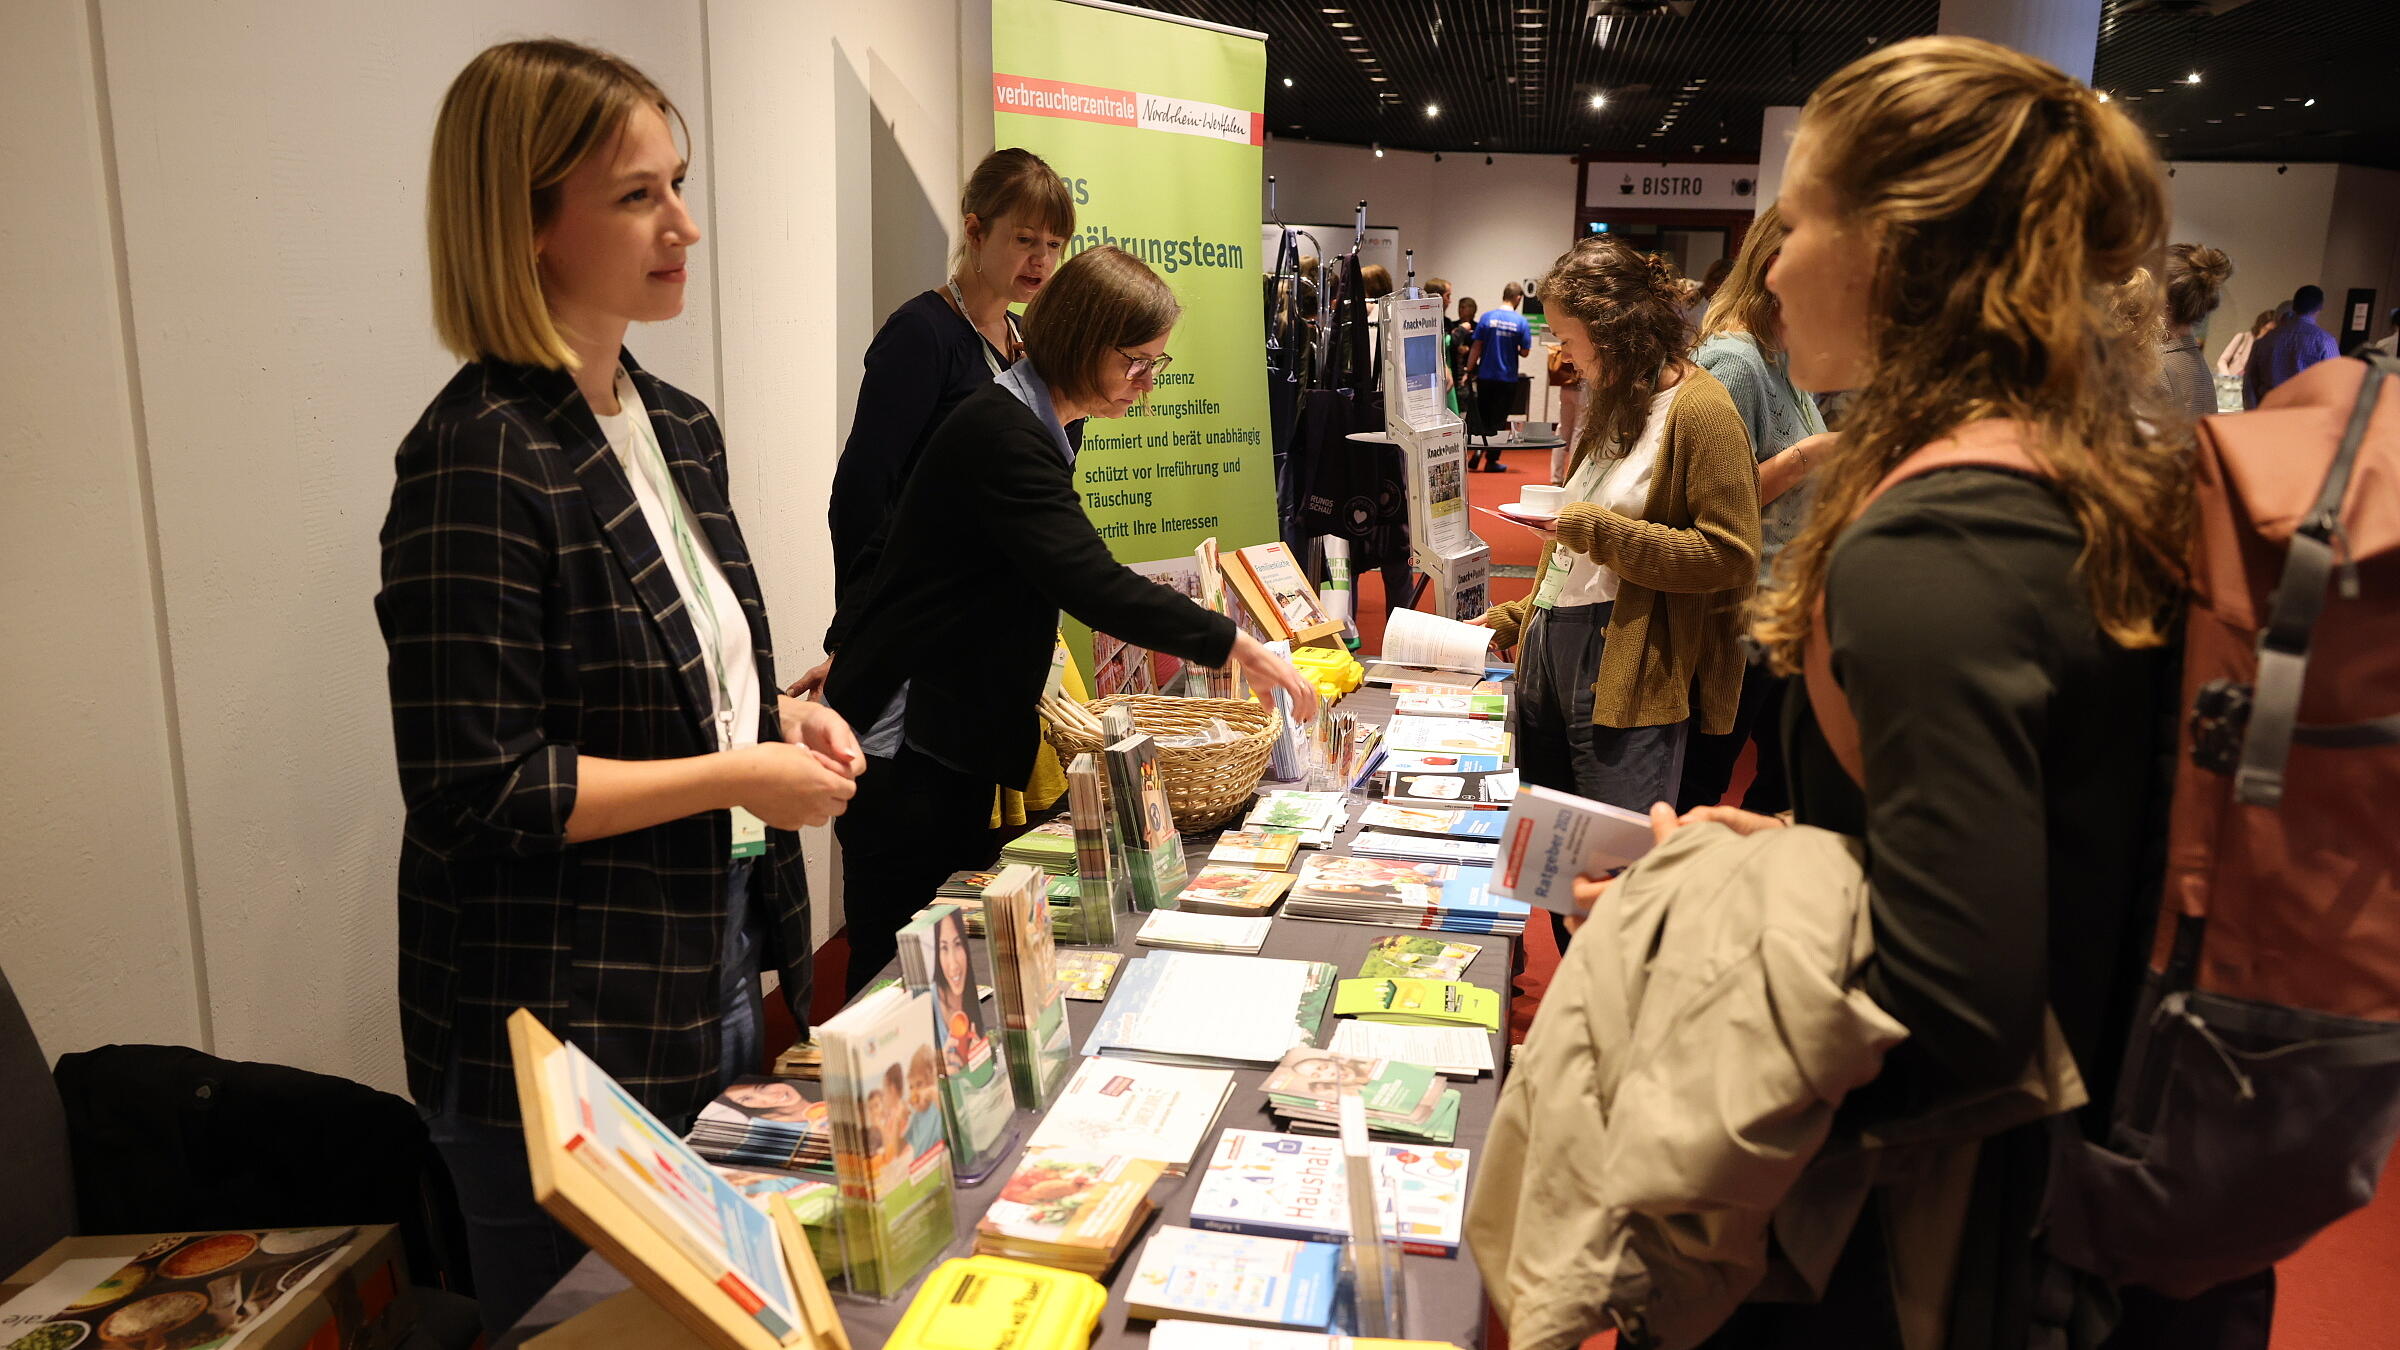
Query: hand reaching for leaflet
x,y
1268,672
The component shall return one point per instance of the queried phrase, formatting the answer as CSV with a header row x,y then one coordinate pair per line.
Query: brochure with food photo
x,y
1272,850
177,1293
1233,890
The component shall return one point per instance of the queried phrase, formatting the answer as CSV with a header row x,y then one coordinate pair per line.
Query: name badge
x,y
749,835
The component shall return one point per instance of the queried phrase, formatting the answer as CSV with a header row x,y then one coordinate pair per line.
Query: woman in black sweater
x,y
1959,215
942,648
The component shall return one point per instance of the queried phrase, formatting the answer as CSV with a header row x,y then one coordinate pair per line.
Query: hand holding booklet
x,y
1554,837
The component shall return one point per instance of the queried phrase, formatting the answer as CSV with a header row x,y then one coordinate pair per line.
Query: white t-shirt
x,y
1621,485
629,432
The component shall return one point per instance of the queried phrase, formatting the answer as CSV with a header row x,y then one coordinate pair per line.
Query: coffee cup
x,y
1541,499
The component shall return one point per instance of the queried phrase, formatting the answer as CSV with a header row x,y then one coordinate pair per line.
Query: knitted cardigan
x,y
1684,570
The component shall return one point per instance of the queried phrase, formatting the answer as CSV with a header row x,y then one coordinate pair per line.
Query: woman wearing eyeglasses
x,y
942,650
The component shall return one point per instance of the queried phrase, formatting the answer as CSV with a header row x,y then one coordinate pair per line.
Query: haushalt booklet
x,y
1292,1186
1033,1014
1227,1277
1101,872
1135,1109
1153,847
977,1103
1433,822
890,1154
1554,837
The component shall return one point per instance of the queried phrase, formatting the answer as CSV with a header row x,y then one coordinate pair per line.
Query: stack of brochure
x,y
1402,895
883,1083
1304,1093
1049,846
764,1122
976,1101
1203,932
1074,1211
1292,1186
1453,1052
1418,848
1483,827
1214,1011
1318,817
1419,1003
1240,891
1033,1015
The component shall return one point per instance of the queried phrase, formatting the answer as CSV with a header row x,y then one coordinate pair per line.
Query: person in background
x,y
1502,338
1376,280
1632,636
2196,276
943,650
2389,343
1439,289
1999,641
1741,343
2296,344
1459,343
1015,217
2236,357
602,789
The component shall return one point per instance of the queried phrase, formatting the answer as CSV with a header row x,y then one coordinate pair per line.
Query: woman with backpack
x,y
1960,215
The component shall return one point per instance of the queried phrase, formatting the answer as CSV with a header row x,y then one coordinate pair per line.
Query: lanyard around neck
x,y
702,607
992,356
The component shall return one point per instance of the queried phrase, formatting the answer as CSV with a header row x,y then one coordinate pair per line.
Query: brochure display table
x,y
1444,1295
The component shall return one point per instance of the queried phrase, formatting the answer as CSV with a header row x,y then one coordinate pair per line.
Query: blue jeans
x,y
516,1249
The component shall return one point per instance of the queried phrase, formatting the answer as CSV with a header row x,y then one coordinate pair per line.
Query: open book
x,y
1431,649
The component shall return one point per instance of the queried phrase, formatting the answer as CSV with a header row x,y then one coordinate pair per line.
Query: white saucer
x,y
1524,517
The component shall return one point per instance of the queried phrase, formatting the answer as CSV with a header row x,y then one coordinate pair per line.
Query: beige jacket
x,y
1682,1075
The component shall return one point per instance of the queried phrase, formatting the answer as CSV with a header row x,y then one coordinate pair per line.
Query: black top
x,y
963,592
2012,748
529,621
925,359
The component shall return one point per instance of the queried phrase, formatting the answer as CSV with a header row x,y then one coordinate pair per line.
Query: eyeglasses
x,y
1138,366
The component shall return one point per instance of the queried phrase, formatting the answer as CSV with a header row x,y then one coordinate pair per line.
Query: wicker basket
x,y
1205,784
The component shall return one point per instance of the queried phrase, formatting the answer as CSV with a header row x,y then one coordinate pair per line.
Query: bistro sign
x,y
1654,186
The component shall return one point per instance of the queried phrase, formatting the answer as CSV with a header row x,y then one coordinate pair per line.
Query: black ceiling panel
x,y
1693,77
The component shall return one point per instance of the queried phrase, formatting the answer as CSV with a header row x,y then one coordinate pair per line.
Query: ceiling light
x,y
1376,78
2310,104
1378,150
2216,121
2104,96
1340,23
1599,100
2193,78
1287,81
1433,110
1531,23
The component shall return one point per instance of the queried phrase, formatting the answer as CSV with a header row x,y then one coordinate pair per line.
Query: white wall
x,y
2362,244
2272,225
204,819
1478,225
96,927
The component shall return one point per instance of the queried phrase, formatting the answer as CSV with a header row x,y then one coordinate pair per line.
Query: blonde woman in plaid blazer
x,y
600,801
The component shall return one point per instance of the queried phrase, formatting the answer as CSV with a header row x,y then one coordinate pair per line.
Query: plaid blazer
x,y
529,619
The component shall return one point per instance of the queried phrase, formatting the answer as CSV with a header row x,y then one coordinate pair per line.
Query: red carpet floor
x,y
2341,1293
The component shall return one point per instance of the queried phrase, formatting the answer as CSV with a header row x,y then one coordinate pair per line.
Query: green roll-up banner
x,y
1158,126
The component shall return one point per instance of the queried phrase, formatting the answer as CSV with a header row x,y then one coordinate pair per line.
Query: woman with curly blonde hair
x,y
1961,220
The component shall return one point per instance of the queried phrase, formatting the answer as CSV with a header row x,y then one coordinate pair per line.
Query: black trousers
x,y
913,822
1708,763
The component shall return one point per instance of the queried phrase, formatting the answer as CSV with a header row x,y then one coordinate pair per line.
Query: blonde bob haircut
x,y
519,119
1743,304
1103,300
2007,208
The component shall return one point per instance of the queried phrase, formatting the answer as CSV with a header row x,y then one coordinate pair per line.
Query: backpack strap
x,y
2299,599
1997,443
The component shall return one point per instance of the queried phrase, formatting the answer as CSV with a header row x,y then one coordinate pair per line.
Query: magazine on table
x,y
1135,1109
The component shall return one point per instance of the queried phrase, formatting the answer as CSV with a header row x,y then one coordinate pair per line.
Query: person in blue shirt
x,y
1502,338
2295,345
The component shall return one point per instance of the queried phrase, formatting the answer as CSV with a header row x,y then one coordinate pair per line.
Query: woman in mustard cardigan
x,y
1632,633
